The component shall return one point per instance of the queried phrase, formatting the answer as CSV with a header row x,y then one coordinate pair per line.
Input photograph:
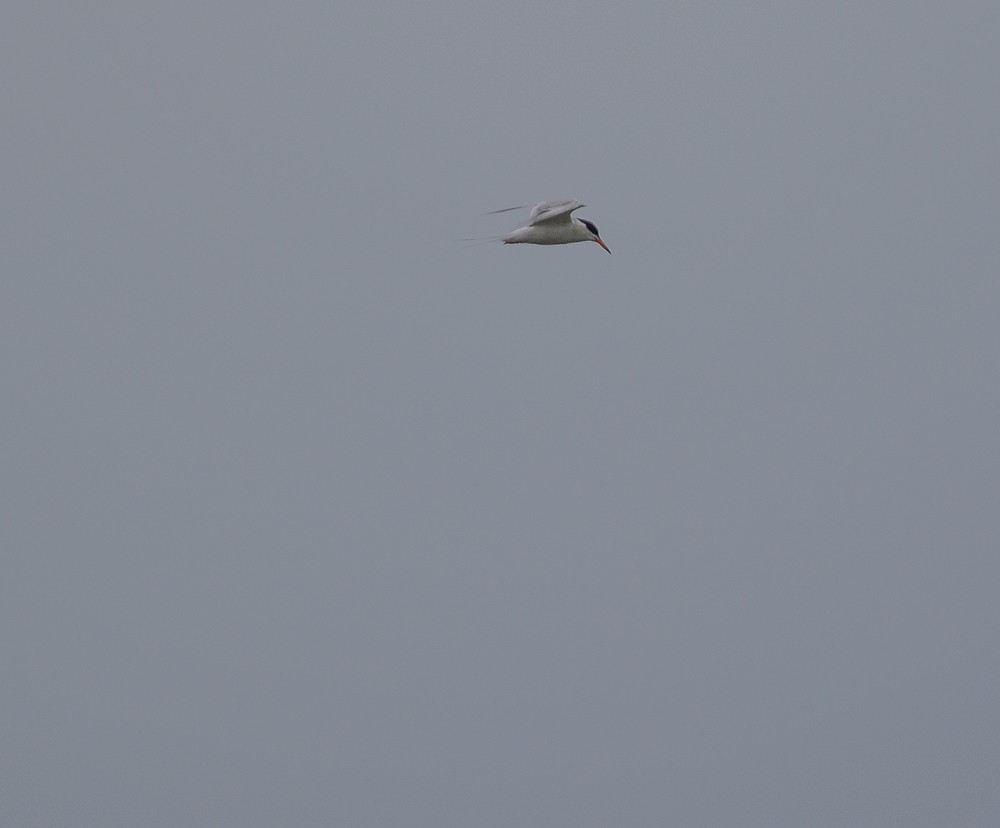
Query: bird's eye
x,y
591,227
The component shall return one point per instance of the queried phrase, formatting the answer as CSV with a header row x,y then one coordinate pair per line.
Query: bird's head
x,y
595,236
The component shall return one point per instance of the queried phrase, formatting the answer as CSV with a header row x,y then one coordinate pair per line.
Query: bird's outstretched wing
x,y
546,210
554,211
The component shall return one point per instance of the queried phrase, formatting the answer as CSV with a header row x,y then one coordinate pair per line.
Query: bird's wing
x,y
554,211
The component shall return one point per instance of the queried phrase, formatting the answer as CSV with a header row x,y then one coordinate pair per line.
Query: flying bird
x,y
552,222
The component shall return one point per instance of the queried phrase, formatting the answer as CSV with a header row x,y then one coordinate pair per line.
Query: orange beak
x,y
600,241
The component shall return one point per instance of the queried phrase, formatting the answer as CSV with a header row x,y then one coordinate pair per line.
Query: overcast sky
x,y
313,515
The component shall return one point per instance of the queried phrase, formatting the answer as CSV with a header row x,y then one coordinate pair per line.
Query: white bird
x,y
552,222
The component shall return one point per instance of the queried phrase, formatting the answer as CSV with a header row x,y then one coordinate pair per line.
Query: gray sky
x,y
313,515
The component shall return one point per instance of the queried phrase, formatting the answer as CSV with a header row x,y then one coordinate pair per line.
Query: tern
x,y
552,222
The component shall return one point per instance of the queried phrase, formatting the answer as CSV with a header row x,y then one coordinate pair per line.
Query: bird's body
x,y
552,222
